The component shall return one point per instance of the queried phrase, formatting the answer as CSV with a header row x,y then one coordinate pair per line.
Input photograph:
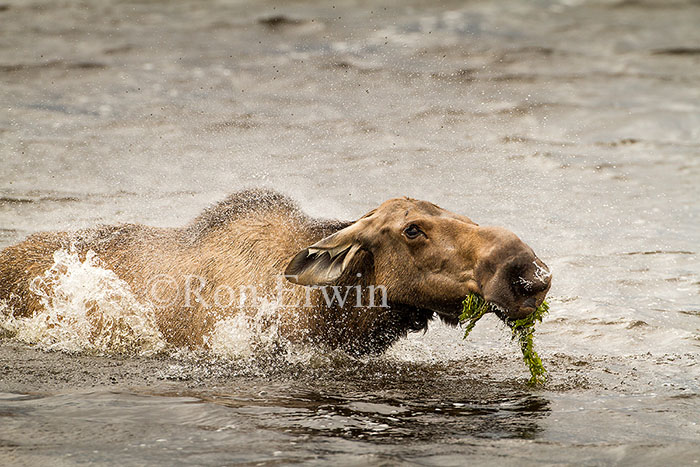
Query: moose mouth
x,y
506,315
419,316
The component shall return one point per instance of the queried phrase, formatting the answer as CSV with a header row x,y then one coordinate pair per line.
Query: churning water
x,y
575,124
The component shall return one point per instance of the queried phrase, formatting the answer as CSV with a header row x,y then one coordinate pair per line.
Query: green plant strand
x,y
474,307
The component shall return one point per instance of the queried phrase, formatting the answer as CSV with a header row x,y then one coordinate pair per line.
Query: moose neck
x,y
356,316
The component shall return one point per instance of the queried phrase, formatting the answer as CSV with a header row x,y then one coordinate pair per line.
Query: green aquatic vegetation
x,y
474,307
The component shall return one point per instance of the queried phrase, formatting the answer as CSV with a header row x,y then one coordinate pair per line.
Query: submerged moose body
x,y
357,286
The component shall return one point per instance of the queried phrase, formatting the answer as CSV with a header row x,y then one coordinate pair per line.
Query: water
x,y
575,124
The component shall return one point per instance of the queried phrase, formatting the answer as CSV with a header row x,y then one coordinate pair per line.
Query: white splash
x,y
541,273
86,307
247,333
256,332
526,283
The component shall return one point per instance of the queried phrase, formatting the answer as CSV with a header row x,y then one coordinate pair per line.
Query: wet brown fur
x,y
249,239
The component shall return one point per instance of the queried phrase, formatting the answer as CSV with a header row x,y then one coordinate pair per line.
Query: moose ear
x,y
325,261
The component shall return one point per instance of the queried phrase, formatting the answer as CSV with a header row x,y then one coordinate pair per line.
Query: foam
x,y
86,307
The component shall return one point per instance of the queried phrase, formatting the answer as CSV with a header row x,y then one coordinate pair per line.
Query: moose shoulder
x,y
357,285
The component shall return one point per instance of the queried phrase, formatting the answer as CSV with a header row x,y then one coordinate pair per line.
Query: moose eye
x,y
412,231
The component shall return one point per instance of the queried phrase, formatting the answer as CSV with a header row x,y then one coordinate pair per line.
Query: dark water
x,y
197,411
575,124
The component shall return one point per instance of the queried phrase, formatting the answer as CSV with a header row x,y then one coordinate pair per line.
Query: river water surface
x,y
574,123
